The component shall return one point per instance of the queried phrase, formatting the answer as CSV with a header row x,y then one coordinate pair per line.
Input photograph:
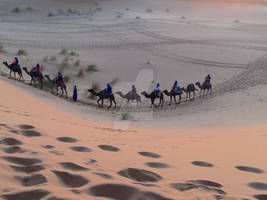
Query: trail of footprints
x,y
28,170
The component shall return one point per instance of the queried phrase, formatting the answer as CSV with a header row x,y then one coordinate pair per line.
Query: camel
x,y
57,84
130,96
204,87
35,77
153,95
173,94
103,96
15,68
190,88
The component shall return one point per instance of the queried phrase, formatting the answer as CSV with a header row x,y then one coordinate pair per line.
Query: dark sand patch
x,y
13,131
25,126
157,165
261,196
140,175
103,175
3,125
108,148
31,133
48,146
250,169
70,180
123,192
149,154
67,139
56,198
80,149
11,141
202,164
28,195
28,170
182,187
13,149
73,167
35,179
206,183
27,162
258,185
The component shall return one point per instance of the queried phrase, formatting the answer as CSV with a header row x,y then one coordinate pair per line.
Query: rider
x,y
108,90
37,69
133,89
158,91
207,80
16,60
59,77
175,87
75,94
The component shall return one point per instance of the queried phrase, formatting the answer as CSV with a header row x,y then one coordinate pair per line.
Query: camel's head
x,y
119,92
91,90
144,93
5,63
165,91
197,83
24,68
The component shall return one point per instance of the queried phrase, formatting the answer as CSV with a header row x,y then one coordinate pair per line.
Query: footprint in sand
x,y
70,180
122,192
26,162
183,187
30,133
27,170
80,149
250,169
258,185
73,167
206,183
48,146
149,154
67,139
13,131
202,164
140,175
27,195
35,179
261,196
11,142
14,149
25,126
108,148
103,175
157,165
56,198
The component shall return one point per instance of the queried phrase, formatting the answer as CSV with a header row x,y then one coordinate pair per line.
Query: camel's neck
x,y
121,95
94,92
7,65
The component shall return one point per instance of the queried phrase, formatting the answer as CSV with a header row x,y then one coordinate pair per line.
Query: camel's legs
x,y
102,102
110,103
98,102
170,100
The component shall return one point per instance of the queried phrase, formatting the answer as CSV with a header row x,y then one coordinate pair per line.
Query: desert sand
x,y
212,147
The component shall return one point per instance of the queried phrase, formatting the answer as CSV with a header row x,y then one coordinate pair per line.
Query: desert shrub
x,y
73,53
63,51
149,10
125,116
80,73
114,81
16,10
42,67
22,52
29,8
77,63
53,58
45,59
67,78
92,68
50,14
137,17
2,49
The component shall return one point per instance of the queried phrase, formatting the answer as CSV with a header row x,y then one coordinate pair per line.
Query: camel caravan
x,y
38,79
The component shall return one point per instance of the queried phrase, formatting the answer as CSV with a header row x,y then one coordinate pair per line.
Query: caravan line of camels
x,y
190,90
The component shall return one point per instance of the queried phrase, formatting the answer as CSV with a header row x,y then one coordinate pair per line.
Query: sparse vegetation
x,y
114,81
137,17
149,10
16,10
127,9
167,10
63,51
22,52
77,63
29,8
67,78
92,68
42,67
2,50
80,73
236,21
125,116
53,58
50,14
45,59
